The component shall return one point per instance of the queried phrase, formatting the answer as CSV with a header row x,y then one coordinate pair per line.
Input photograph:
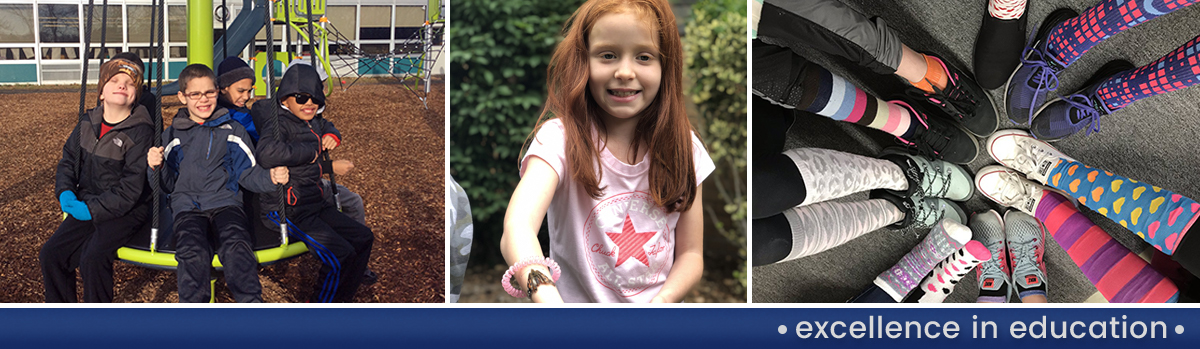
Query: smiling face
x,y
119,92
306,111
200,97
625,67
239,93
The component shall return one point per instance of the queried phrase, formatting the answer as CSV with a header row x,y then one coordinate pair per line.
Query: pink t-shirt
x,y
618,248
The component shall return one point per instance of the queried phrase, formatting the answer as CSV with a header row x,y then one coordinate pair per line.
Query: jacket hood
x,y
138,116
302,78
182,122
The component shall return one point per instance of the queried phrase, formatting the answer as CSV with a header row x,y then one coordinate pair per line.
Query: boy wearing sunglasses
x,y
208,157
342,244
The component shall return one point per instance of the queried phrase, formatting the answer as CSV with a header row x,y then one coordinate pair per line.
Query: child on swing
x,y
101,186
617,170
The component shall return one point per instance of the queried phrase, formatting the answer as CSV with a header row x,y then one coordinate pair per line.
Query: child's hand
x,y
342,167
154,157
279,175
328,142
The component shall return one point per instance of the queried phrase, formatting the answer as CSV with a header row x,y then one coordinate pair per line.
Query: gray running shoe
x,y
1026,244
992,274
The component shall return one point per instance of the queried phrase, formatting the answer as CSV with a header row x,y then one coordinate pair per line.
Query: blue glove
x,y
74,207
66,198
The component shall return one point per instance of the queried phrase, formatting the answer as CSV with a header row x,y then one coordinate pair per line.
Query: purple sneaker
x,y
1037,76
1065,116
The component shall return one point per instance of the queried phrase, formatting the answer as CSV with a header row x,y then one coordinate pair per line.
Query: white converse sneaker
x,y
1018,150
1009,188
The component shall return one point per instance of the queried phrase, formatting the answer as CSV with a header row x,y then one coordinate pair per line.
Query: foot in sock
x,y
941,281
955,96
1063,117
1026,240
1037,75
938,138
920,212
999,42
992,274
1159,216
945,237
931,178
1120,275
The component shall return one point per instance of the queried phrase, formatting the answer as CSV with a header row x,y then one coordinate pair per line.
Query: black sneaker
x,y
998,49
937,138
962,100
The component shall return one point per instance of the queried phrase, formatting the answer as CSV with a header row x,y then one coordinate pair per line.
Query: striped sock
x,y
1006,9
1119,274
1156,215
1070,39
1176,70
830,95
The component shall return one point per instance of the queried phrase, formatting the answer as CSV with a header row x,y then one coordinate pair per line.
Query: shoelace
x,y
1029,157
929,181
933,140
953,99
1014,189
1025,251
991,268
925,211
1045,76
1086,111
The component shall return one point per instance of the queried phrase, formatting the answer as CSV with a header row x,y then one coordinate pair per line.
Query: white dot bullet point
x,y
783,329
1178,329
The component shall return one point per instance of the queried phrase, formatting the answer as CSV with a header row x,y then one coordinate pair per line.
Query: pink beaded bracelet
x,y
506,281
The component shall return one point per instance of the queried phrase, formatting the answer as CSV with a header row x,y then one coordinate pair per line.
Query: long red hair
x,y
663,125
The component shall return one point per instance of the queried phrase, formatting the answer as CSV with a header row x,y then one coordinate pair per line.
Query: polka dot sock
x,y
1156,215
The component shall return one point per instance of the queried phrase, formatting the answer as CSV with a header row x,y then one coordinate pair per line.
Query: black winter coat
x,y
107,173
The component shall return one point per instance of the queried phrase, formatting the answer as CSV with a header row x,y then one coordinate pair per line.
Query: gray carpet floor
x,y
1152,140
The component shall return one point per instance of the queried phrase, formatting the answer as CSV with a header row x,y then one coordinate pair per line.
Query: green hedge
x,y
716,66
498,56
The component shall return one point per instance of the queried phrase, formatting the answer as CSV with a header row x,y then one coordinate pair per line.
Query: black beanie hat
x,y
231,70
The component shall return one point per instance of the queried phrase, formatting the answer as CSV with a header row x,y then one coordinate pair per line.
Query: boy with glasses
x,y
207,156
342,244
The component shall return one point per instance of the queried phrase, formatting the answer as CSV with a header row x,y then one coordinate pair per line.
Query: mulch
x,y
397,146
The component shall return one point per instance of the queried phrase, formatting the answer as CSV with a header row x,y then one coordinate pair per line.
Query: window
x,y
18,24
177,52
112,51
375,49
9,54
139,23
177,23
343,20
376,23
58,23
60,53
113,26
278,33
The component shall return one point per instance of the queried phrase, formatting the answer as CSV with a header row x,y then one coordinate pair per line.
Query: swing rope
x,y
312,52
159,7
278,132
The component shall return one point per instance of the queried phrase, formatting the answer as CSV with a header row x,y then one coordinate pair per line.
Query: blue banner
x,y
596,327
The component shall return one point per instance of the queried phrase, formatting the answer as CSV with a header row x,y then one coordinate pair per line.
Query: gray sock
x,y
822,226
830,174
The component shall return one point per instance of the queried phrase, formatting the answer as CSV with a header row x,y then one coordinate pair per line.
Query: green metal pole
x,y
200,32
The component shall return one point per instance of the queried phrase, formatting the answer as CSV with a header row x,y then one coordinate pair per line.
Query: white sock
x,y
1006,9
946,274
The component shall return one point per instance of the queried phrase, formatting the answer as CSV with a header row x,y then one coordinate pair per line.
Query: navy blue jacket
x,y
205,163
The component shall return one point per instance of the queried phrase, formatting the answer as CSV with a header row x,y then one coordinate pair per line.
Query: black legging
x,y
778,185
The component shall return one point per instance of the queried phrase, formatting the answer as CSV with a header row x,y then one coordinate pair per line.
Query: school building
x,y
41,40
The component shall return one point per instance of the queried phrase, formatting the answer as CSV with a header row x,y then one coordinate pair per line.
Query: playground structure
x,y
311,27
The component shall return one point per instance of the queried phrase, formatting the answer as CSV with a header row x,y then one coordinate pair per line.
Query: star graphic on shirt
x,y
630,242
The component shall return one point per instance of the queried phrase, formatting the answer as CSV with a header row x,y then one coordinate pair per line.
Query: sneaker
x,y
939,139
921,212
931,178
996,49
1026,240
992,274
1018,150
962,100
1067,115
1009,188
1037,75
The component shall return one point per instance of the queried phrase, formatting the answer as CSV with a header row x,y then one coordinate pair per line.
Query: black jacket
x,y
205,163
298,146
107,173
